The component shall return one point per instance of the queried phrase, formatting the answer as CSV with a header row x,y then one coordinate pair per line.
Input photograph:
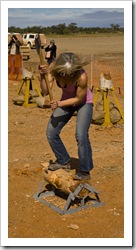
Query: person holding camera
x,y
14,46
50,52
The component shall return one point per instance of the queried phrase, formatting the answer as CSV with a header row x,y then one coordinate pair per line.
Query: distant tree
x,y
60,28
115,27
63,29
73,27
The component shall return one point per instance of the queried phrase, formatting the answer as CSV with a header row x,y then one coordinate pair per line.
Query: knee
x,y
80,137
51,134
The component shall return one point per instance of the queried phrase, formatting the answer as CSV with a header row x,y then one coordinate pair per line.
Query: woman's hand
x,y
44,69
54,104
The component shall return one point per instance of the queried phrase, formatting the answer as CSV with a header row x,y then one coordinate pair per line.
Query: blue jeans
x,y
58,120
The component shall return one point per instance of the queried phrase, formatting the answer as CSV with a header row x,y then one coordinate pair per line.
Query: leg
x,y
57,121
84,117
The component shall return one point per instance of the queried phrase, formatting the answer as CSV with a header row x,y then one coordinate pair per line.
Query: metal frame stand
x,y
73,198
28,83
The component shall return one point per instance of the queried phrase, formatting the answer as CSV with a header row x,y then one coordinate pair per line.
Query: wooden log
x,y
115,115
42,102
63,180
98,113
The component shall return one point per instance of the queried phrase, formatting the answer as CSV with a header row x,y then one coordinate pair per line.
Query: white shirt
x,y
13,49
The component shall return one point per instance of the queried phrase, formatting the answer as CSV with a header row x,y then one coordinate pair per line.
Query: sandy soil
x,y
28,148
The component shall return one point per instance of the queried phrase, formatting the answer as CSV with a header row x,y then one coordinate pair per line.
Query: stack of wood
x,y
25,51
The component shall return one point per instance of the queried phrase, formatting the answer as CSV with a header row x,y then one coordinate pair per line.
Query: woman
x,y
51,48
70,76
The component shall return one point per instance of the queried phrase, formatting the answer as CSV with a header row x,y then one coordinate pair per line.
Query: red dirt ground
x,y
28,148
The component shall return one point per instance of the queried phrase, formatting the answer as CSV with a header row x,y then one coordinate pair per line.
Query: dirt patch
x,y
28,148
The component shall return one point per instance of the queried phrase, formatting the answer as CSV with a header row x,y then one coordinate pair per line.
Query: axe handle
x,y
46,78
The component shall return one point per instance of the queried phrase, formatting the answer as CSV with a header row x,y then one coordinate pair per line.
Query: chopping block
x,y
74,195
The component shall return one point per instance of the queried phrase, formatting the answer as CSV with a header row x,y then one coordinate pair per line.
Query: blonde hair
x,y
68,64
52,41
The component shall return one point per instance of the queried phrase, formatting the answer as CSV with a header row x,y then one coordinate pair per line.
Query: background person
x,y
15,59
70,76
51,48
14,46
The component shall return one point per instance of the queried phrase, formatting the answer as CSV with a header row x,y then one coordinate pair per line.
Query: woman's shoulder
x,y
83,74
83,71
82,80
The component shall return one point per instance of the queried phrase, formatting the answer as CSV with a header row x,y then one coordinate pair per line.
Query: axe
x,y
39,51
